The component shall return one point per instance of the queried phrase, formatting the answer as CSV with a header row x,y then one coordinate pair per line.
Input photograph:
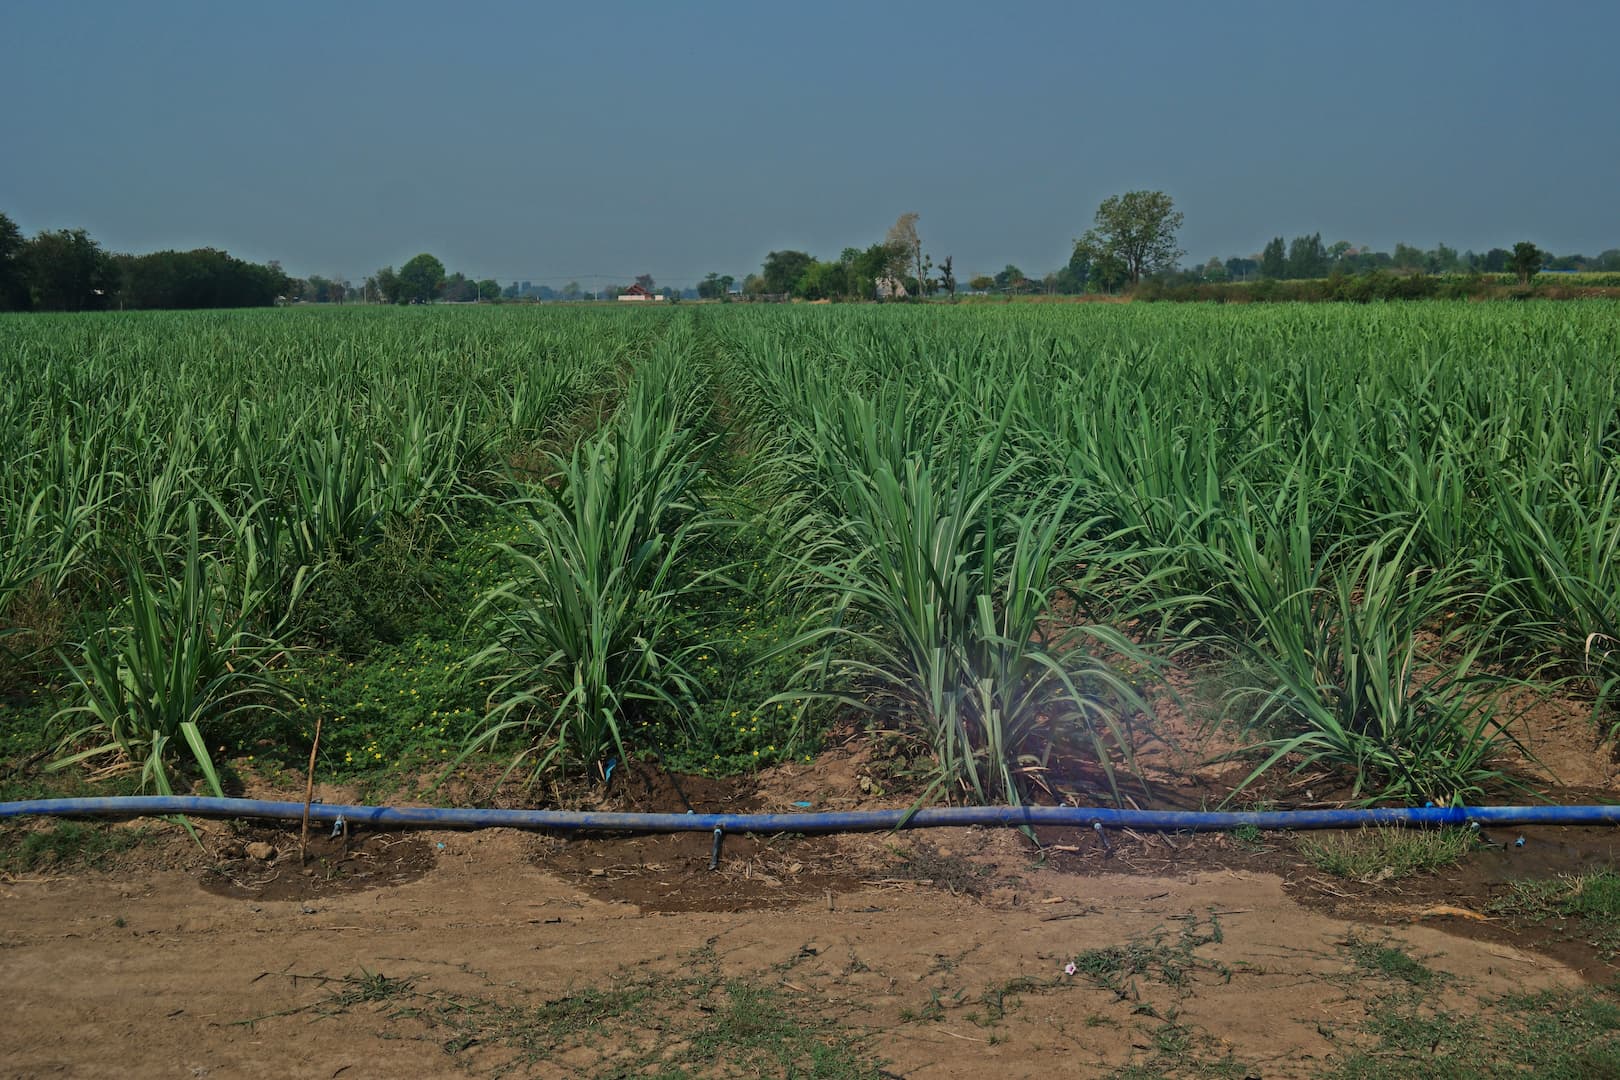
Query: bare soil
x,y
257,863
942,952
142,972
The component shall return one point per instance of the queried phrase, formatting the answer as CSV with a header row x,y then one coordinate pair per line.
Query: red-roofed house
x,y
637,293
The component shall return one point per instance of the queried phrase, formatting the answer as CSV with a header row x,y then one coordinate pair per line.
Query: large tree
x,y
864,268
1407,257
66,271
906,248
782,271
458,288
1011,279
420,279
1108,273
13,282
1307,258
1139,229
715,286
388,284
1274,259
822,281
1441,260
1526,260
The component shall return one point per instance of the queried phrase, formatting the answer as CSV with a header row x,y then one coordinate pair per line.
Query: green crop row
x,y
990,529
1379,516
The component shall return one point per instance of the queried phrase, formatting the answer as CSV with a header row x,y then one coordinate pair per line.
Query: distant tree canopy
x,y
1407,257
1240,269
715,286
67,270
1133,239
853,275
13,275
1273,260
420,280
1526,260
1307,258
1011,279
204,278
783,269
1138,229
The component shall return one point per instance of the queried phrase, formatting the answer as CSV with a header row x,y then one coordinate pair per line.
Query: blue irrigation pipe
x,y
1086,817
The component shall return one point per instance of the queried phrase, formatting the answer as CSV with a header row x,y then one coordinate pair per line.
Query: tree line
x,y
1132,244
67,270
423,280
894,268
1132,241
1133,236
1306,257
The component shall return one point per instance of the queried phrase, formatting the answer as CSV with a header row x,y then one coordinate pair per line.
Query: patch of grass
x,y
1172,963
1381,959
737,724
1249,836
395,693
691,1022
23,726
1161,957
369,986
998,1000
403,706
1386,853
32,844
64,844
413,581
1184,1053
1571,1034
1585,905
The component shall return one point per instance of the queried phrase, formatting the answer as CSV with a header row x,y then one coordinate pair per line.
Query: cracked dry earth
x,y
940,954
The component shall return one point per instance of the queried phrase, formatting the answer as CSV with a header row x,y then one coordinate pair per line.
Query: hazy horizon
x,y
548,144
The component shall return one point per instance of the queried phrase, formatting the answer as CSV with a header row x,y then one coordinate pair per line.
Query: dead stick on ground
x,y
309,797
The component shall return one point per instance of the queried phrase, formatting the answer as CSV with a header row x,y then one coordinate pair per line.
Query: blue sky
x,y
553,141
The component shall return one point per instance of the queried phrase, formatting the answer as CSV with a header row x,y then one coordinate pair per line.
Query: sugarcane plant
x,y
179,657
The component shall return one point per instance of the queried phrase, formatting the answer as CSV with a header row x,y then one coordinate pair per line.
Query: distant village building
x,y
637,294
